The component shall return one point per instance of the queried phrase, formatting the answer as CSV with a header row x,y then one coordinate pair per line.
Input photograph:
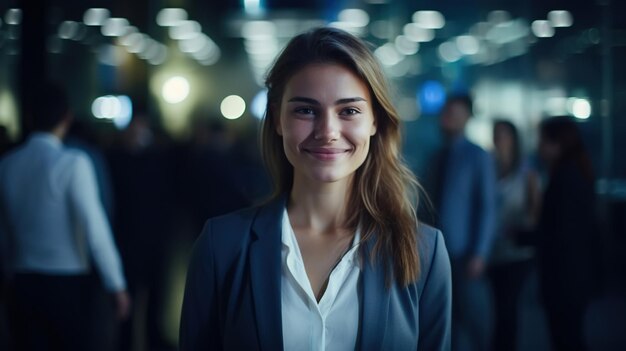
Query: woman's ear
x,y
374,128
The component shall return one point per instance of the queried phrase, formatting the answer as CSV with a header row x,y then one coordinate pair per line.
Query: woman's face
x,y
549,151
454,117
326,121
503,141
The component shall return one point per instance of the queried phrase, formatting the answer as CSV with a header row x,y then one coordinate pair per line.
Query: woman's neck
x,y
319,206
505,164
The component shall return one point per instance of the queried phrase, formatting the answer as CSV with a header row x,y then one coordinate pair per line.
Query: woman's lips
x,y
326,153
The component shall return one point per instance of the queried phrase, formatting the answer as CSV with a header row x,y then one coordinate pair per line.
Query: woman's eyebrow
x,y
315,102
349,100
304,99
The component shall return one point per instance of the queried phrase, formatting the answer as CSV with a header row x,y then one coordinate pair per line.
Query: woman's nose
x,y
327,127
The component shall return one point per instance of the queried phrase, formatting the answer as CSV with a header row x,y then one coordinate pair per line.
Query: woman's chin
x,y
327,177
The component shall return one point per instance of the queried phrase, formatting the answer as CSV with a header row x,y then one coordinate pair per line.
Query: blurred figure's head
x,y
560,141
330,46
82,129
507,145
138,135
52,109
5,140
455,113
213,134
4,136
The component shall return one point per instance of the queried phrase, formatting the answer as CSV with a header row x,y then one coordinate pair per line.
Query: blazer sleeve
x,y
486,206
199,328
435,302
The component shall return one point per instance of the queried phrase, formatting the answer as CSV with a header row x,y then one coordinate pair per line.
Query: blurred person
x,y
5,146
81,136
518,198
214,178
336,260
54,224
568,241
144,184
463,191
248,155
5,141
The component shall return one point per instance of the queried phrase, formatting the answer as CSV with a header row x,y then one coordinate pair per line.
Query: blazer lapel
x,y
375,302
265,268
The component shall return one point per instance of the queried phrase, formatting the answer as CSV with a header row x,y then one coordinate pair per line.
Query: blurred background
x,y
168,97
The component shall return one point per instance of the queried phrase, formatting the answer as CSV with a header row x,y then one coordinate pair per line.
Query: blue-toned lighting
x,y
431,97
259,104
253,7
118,109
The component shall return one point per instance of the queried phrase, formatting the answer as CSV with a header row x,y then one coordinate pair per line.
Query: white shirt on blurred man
x,y
51,213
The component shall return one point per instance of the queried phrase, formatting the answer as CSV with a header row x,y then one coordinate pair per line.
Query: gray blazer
x,y
232,296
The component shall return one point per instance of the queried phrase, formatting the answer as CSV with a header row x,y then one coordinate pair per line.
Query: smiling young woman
x,y
337,259
326,124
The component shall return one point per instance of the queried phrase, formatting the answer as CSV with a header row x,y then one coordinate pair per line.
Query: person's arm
x,y
435,301
5,251
533,198
486,215
198,325
91,218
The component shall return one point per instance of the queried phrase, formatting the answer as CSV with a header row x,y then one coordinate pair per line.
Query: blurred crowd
x,y
509,221
521,228
155,195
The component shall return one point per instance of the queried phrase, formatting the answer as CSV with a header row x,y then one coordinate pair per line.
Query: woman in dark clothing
x,y
568,239
518,199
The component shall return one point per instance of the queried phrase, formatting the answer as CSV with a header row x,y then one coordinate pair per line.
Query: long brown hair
x,y
517,150
384,192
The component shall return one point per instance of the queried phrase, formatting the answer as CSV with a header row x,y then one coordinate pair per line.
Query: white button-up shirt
x,y
51,213
331,324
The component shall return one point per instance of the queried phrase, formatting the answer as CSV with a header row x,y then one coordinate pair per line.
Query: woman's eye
x,y
350,111
305,111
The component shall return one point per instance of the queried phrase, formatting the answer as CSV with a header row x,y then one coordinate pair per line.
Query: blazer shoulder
x,y
469,148
472,146
426,238
431,248
242,215
231,227
223,238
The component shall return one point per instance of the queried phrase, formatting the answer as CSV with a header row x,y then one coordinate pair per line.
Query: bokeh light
x,y
579,108
416,33
448,52
96,16
467,44
169,17
175,89
542,29
114,27
431,96
259,104
429,19
560,18
118,109
233,107
354,17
